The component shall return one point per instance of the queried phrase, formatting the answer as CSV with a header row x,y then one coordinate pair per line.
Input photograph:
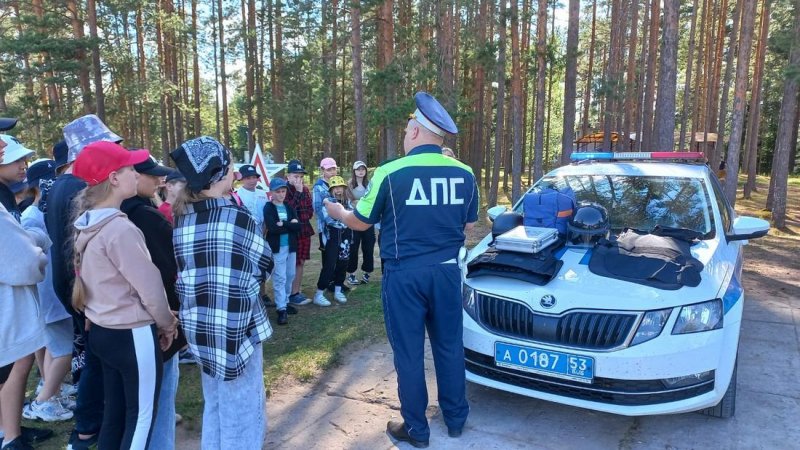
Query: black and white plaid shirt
x,y
221,259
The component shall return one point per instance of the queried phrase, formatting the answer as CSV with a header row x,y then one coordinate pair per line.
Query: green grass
x,y
312,343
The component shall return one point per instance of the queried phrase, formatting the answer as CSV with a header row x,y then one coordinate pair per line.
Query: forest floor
x,y
331,383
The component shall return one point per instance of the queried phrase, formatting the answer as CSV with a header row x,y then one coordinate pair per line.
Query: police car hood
x,y
576,287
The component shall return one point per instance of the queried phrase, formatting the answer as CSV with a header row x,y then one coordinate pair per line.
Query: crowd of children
x,y
120,263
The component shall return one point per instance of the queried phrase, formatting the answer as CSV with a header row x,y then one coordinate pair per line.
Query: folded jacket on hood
x,y
123,287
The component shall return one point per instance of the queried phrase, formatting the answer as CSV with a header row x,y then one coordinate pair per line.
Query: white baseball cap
x,y
358,164
14,150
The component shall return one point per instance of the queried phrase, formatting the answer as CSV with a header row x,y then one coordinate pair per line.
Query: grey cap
x,y
83,131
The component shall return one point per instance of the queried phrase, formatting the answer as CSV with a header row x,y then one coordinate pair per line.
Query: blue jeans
x,y
163,436
283,275
234,415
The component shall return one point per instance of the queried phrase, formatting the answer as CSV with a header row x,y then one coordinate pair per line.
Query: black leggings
x,y
132,370
335,257
366,240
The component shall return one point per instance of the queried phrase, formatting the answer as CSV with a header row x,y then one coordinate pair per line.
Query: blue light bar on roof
x,y
584,156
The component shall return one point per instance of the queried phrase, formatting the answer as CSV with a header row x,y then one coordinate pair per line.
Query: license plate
x,y
544,362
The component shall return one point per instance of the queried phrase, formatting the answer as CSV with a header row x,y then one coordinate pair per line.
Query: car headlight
x,y
651,325
704,316
468,301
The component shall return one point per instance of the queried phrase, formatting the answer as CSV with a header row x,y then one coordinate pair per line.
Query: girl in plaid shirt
x,y
222,259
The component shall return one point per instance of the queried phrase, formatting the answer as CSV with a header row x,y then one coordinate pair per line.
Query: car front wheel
x,y
727,406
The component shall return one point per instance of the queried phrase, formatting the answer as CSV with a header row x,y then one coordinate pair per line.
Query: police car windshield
x,y
642,202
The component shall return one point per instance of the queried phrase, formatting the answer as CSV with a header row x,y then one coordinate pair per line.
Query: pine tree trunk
x,y
571,81
716,81
787,127
216,69
516,103
162,70
80,56
629,110
445,26
91,16
385,62
650,77
640,79
276,76
500,102
541,66
700,106
550,81
688,82
53,100
587,95
144,104
664,127
198,126
329,51
252,65
755,101
719,149
223,79
739,99
358,88
489,105
612,78
709,99
260,101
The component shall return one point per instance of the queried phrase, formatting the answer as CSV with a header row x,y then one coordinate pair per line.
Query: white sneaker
x,y
339,297
68,401
68,389
320,300
48,410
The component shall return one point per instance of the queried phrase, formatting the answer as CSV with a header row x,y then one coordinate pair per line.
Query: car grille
x,y
585,330
601,390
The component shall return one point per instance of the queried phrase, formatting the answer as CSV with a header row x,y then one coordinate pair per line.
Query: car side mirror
x,y
745,228
495,211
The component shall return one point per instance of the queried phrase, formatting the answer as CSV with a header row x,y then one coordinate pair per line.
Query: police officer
x,y
424,202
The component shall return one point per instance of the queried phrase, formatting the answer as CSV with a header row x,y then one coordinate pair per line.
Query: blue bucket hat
x,y
83,131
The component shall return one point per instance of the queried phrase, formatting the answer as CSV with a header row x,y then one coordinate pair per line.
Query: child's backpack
x,y
549,208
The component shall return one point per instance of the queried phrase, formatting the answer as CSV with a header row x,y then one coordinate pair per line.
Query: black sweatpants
x,y
335,257
366,240
132,370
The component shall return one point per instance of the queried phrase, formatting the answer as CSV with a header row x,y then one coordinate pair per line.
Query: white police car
x,y
610,345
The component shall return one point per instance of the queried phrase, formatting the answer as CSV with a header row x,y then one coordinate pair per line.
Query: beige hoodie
x,y
123,287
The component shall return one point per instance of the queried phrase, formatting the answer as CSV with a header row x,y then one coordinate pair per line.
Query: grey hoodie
x,y
23,265
122,285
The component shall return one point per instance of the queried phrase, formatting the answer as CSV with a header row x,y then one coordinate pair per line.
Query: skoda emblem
x,y
548,301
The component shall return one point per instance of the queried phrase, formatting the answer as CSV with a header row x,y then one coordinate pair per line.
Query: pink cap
x,y
327,163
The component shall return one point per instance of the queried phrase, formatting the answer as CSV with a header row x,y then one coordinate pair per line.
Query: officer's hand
x,y
334,209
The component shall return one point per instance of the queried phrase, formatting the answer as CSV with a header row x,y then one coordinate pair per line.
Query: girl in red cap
x,y
120,291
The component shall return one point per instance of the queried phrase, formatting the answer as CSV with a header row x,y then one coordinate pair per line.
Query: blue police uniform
x,y
423,201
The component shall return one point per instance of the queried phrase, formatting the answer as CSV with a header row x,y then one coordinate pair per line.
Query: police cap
x,y
432,115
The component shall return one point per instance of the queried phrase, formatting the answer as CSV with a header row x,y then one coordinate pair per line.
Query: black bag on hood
x,y
661,259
